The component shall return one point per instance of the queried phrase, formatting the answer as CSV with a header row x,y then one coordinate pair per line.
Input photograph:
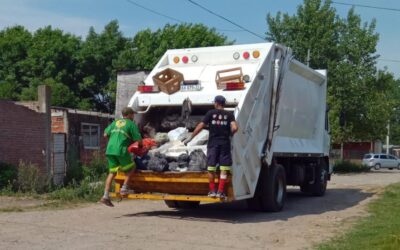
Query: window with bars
x,y
90,135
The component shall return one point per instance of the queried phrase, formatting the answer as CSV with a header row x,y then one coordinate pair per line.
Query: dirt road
x,y
151,225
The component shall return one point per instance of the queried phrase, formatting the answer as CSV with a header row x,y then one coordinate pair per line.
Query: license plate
x,y
191,87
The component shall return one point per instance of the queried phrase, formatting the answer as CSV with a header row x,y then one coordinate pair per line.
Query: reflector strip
x,y
234,86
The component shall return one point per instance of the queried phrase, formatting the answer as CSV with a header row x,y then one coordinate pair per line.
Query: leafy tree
x,y
82,73
347,48
61,94
96,69
14,45
147,47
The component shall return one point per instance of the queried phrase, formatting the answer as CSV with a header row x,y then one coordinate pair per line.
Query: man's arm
x,y
198,128
196,131
234,127
107,131
136,135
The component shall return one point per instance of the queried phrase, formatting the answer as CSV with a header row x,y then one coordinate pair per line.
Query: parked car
x,y
378,161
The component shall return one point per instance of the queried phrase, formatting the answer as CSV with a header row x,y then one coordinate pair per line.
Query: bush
x,y
349,167
96,168
30,179
83,191
8,175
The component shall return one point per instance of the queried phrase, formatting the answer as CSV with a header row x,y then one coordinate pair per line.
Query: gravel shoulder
x,y
304,222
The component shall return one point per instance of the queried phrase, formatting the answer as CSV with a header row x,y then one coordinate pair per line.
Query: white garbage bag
x,y
177,134
200,139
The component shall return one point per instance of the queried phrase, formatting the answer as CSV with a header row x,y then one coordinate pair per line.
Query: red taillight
x,y
185,59
147,89
234,86
246,55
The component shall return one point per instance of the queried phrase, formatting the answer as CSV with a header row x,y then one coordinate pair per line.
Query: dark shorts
x,y
219,155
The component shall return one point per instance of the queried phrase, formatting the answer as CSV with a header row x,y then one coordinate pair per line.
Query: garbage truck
x,y
280,108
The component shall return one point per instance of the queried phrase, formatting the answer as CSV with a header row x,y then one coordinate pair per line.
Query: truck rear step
x,y
178,186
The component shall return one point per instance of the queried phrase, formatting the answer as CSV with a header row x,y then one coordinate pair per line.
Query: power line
x,y
171,18
366,6
226,19
388,60
154,12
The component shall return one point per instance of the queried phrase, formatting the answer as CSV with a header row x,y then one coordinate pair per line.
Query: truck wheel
x,y
270,193
318,188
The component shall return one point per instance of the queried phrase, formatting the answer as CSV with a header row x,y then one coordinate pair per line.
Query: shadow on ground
x,y
297,204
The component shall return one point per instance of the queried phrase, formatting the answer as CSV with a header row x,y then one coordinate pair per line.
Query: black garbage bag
x,y
173,166
157,163
183,160
198,161
141,162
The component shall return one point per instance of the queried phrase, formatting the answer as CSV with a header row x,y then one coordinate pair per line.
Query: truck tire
x,y
318,188
270,193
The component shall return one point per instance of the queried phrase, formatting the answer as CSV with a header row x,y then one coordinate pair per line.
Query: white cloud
x,y
21,13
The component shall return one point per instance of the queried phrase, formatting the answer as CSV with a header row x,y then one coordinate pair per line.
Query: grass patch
x,y
85,191
380,230
349,167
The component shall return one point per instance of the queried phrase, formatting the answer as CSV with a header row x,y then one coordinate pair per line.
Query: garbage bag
x,y
183,160
177,134
198,161
161,138
148,143
157,163
141,162
173,166
171,121
200,139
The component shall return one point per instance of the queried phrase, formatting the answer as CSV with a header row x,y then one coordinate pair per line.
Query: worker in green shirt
x,y
121,133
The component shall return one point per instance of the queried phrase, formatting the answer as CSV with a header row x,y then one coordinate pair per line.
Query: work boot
x,y
212,194
126,191
106,202
221,195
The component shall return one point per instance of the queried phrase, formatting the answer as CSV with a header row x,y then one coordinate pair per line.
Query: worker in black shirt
x,y
222,125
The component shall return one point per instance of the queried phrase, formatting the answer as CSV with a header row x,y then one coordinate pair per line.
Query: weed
x,y
349,167
378,231
8,174
30,179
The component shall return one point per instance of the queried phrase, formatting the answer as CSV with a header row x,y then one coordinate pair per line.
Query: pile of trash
x,y
173,155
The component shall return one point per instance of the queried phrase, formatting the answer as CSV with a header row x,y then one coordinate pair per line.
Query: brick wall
x,y
57,124
75,135
22,134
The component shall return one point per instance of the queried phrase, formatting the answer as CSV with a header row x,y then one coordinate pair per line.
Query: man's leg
x,y
222,179
211,163
113,168
225,161
128,167
107,188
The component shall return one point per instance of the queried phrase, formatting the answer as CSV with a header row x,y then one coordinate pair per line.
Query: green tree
x,y
95,69
14,45
346,47
147,47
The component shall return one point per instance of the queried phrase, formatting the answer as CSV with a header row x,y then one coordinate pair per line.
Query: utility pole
x,y
387,137
308,57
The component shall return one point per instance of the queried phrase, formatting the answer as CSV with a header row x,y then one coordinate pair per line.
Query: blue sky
x,y
76,16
